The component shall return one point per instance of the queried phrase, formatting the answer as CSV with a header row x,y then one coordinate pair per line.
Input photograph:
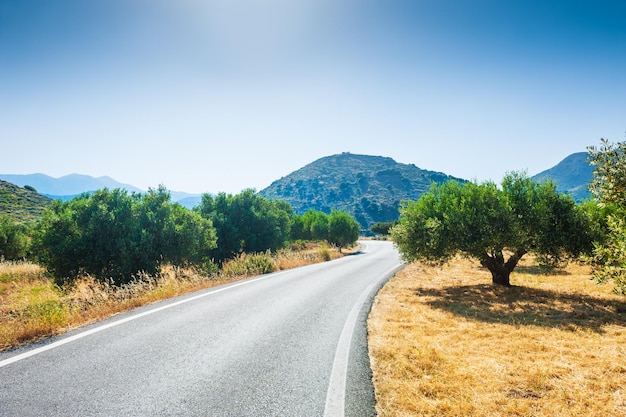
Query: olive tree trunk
x,y
501,270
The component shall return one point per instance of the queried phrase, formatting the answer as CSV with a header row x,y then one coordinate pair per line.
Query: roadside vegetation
x,y
445,342
542,339
495,225
33,307
110,251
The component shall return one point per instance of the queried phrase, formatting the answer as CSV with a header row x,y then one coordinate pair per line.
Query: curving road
x,y
292,343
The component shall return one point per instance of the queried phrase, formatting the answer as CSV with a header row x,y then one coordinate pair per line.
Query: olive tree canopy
x,y
495,225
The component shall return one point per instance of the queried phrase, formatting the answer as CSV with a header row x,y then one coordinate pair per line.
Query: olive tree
x,y
382,228
112,235
495,225
343,229
246,222
13,239
312,225
609,188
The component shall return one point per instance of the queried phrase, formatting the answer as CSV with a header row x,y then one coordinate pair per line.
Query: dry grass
x,y
32,307
444,342
306,254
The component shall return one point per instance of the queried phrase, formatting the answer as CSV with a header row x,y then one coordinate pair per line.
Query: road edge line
x,y
336,394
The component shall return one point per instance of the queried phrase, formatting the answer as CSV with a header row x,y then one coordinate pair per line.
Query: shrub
x,y
112,235
324,252
343,229
13,240
50,313
249,265
246,222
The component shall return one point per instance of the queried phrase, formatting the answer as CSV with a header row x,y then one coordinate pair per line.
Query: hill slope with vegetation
x,y
370,188
24,205
572,175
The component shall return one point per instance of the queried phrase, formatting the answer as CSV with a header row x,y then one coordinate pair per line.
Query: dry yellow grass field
x,y
32,307
444,342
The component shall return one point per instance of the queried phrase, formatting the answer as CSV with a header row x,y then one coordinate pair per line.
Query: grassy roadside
x,y
33,308
444,342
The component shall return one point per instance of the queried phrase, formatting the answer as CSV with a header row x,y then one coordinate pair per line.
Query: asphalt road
x,y
292,343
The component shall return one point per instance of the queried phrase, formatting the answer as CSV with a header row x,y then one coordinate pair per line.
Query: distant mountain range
x,y
368,187
67,187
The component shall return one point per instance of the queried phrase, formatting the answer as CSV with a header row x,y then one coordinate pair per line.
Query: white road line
x,y
336,394
78,336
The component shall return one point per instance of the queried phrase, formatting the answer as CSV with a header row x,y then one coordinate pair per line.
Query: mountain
x,y
67,187
21,204
368,187
572,175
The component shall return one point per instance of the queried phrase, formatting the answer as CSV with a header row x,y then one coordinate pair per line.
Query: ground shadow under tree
x,y
526,306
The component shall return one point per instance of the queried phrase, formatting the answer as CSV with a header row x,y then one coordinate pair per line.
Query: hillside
x,y
20,203
368,187
572,175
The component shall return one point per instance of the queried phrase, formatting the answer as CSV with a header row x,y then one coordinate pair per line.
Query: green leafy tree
x,y
343,229
246,222
382,228
496,226
317,224
92,234
297,229
609,188
598,215
114,235
171,232
13,239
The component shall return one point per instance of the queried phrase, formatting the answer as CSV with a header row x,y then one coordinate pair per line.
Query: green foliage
x,y
484,222
324,252
609,187
343,230
552,226
114,235
13,239
51,313
369,188
22,205
597,217
382,228
337,228
246,222
609,175
250,265
312,225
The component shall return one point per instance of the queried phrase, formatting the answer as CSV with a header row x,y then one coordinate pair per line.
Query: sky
x,y
223,95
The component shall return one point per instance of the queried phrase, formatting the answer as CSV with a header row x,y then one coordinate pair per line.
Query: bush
x,y
382,228
324,253
13,240
343,229
246,222
112,235
249,265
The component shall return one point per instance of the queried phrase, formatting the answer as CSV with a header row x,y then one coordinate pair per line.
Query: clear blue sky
x,y
222,95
